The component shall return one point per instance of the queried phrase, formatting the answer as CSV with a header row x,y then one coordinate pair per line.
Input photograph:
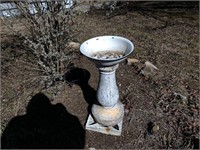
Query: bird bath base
x,y
94,126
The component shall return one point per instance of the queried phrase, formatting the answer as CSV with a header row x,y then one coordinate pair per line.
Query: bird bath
x,y
107,52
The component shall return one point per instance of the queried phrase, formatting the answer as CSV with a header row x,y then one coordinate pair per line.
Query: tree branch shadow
x,y
44,126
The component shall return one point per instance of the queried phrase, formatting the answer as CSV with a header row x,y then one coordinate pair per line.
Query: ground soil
x,y
161,111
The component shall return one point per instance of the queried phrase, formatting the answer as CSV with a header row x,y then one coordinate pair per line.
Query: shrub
x,y
49,27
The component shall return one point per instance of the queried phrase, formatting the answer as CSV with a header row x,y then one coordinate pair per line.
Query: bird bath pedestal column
x,y
106,52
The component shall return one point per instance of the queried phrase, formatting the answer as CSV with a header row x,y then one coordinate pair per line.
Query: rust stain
x,y
107,129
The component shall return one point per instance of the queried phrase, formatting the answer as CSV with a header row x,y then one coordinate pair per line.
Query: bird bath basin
x,y
106,52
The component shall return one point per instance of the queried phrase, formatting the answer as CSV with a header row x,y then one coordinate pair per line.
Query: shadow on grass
x,y
81,77
44,126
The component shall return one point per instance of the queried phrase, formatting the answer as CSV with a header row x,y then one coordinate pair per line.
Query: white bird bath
x,y
107,52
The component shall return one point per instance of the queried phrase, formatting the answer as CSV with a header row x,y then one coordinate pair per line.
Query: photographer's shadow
x,y
44,126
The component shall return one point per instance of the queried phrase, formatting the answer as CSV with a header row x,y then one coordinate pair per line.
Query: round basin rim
x,y
104,59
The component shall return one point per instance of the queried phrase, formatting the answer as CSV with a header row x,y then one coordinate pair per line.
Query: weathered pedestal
x,y
107,114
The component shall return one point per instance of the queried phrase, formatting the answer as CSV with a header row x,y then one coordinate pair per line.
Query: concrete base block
x,y
92,125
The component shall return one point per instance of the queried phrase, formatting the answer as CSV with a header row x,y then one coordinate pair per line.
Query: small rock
x,y
73,45
155,128
150,66
131,61
149,70
137,64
